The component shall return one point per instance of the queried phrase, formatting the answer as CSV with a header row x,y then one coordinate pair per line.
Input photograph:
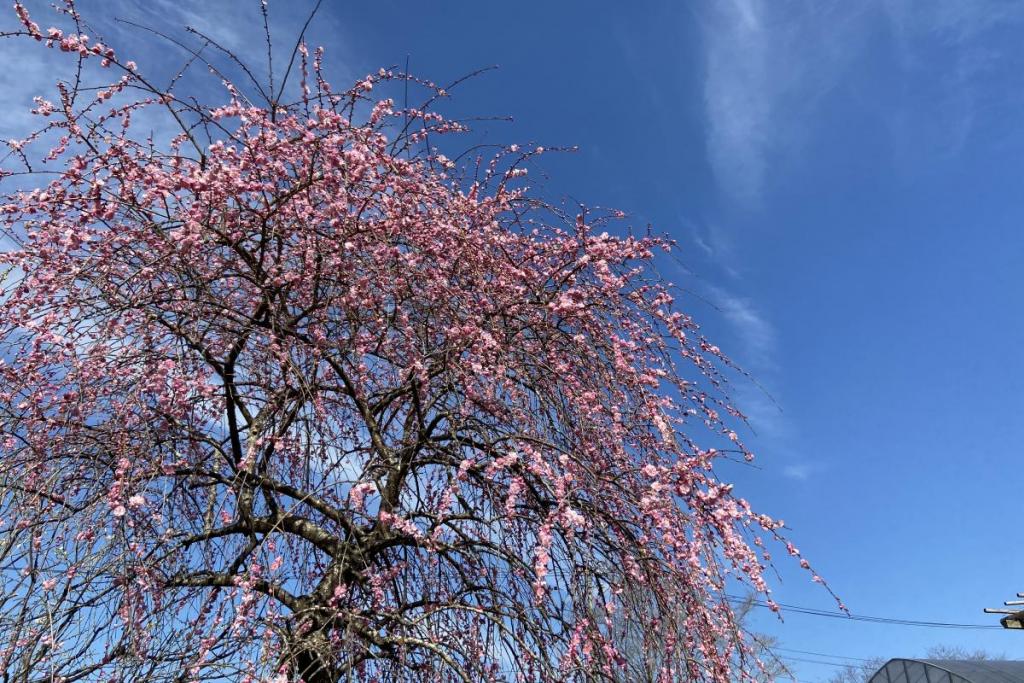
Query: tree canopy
x,y
290,394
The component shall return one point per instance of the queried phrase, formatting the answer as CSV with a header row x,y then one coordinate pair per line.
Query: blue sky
x,y
844,180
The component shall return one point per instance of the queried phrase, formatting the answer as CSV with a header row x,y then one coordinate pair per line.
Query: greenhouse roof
x,y
949,671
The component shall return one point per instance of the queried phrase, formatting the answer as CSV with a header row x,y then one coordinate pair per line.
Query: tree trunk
x,y
309,658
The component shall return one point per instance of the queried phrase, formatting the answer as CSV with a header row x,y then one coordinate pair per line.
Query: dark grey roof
x,y
949,671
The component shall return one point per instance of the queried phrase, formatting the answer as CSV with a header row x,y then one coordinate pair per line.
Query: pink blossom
x,y
371,386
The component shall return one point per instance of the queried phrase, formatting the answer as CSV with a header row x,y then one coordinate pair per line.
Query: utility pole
x,y
1014,617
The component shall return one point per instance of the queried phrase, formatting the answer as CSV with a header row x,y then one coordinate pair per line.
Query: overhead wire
x,y
819,654
817,661
849,616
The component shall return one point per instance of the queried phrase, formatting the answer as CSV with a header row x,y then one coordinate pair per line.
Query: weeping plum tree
x,y
289,395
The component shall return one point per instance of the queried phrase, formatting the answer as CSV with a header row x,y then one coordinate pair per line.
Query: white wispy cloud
x,y
704,246
755,334
235,26
768,65
945,51
33,70
716,243
799,472
755,348
768,68
739,96
30,78
238,28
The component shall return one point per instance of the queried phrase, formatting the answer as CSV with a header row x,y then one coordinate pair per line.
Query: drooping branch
x,y
313,400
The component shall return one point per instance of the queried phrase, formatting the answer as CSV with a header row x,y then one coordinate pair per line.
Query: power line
x,y
834,614
818,654
841,665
